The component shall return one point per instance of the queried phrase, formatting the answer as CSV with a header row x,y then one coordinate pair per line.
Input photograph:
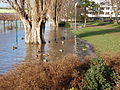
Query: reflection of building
x,y
104,12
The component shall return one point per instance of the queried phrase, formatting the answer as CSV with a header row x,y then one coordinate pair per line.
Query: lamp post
x,y
75,26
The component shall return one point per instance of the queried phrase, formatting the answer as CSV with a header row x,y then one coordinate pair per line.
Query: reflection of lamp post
x,y
65,14
76,15
71,17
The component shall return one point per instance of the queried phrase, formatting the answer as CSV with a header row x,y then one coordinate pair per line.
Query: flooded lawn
x,y
58,43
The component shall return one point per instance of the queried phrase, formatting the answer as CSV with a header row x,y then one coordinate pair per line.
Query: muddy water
x,y
59,42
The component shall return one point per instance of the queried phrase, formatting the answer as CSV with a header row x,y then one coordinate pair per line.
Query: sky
x,y
4,5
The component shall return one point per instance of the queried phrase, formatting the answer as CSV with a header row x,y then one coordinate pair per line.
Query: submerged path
x,y
58,44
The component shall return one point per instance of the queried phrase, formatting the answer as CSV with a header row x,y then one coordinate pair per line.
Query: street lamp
x,y
75,26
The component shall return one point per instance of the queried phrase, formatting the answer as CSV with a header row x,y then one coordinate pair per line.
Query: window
x,y
102,3
101,12
101,8
107,13
118,8
107,8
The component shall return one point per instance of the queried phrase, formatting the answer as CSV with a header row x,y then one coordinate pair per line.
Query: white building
x,y
106,8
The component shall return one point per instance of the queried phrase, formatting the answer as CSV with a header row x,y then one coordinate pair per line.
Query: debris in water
x,y
45,54
14,47
37,55
45,60
39,51
62,42
22,38
55,39
61,50
63,38
49,41
84,49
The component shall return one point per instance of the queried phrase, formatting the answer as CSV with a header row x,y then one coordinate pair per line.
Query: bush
x,y
53,75
99,76
64,24
65,74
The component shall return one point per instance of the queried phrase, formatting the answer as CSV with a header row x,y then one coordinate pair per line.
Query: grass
x,y
7,11
98,23
105,38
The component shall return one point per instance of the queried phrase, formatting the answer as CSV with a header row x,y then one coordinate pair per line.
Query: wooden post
x,y
11,25
16,31
4,25
20,24
8,22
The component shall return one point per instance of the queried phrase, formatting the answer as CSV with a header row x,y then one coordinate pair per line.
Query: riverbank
x,y
105,37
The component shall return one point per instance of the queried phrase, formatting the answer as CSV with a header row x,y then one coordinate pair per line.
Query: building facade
x,y
104,12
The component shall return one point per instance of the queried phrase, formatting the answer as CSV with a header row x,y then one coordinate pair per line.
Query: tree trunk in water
x,y
33,32
55,19
42,28
55,22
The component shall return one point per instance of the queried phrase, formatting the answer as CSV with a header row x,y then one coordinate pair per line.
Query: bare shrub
x,y
113,61
36,75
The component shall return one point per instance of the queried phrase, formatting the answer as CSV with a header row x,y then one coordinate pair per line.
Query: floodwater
x,y
59,42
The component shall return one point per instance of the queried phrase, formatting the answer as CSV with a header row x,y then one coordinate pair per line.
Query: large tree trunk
x,y
31,13
33,32
55,22
55,17
42,28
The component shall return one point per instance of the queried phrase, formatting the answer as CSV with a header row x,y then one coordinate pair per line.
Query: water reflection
x,y
34,52
59,44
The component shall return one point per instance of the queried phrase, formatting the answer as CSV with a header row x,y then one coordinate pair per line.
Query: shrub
x,y
64,24
53,75
99,76
113,61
